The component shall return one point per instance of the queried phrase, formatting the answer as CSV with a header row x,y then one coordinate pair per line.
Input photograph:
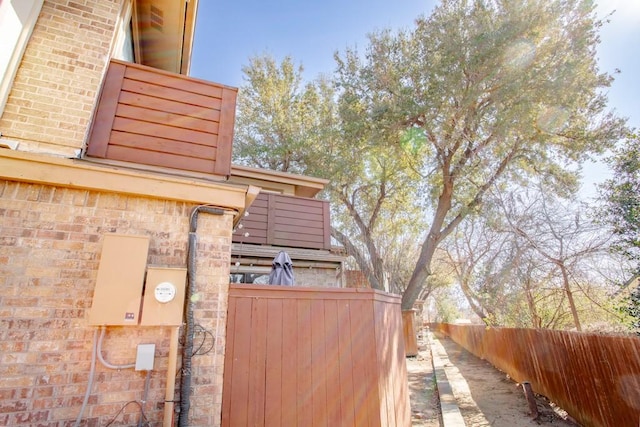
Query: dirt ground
x,y
485,395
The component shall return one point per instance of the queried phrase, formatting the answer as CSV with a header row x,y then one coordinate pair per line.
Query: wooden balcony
x,y
153,117
279,220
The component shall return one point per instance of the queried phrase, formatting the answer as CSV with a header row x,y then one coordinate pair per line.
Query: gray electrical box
x,y
145,356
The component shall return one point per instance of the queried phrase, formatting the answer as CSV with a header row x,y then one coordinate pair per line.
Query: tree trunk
x,y
572,304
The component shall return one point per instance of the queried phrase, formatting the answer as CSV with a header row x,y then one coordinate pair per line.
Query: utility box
x,y
164,293
118,292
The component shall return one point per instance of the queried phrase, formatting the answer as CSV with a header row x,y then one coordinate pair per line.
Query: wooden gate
x,y
314,357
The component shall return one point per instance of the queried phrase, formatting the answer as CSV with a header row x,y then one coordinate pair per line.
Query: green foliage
x,y
446,307
632,308
282,124
621,210
479,94
416,131
622,198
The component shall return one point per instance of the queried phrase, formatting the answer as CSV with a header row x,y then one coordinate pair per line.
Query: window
x,y
124,43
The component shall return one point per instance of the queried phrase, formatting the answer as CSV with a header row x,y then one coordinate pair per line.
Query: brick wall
x,y
356,279
325,277
50,245
50,105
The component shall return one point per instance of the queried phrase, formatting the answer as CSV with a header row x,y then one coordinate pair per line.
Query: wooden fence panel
x,y
314,357
595,378
392,383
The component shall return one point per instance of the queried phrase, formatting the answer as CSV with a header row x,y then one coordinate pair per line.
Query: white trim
x,y
17,20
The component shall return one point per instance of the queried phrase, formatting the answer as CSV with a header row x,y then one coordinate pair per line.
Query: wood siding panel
x,y
324,343
345,363
290,330
257,361
227,383
279,220
158,159
151,103
365,398
106,111
169,131
275,363
303,364
163,119
225,134
332,373
240,366
165,93
162,145
318,364
183,83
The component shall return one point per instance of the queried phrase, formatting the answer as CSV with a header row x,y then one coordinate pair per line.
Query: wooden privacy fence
x,y
314,357
595,378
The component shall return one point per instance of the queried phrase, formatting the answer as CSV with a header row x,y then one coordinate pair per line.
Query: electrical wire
x,y
142,416
92,372
145,395
199,329
104,362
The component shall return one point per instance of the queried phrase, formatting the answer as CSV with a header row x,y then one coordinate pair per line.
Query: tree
x,y
496,91
428,120
281,123
621,209
538,263
559,233
284,126
621,196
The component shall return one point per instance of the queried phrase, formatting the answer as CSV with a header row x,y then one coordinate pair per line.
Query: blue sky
x,y
228,33
310,31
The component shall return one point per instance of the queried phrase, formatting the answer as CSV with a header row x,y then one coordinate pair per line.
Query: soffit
x,y
278,182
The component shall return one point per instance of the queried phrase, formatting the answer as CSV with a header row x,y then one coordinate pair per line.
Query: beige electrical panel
x,y
118,292
164,292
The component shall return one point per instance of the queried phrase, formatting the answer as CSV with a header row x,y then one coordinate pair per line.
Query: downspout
x,y
187,351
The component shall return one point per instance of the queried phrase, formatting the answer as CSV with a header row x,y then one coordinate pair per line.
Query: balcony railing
x,y
279,220
153,117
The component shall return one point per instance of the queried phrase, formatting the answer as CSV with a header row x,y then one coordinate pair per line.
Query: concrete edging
x,y
450,412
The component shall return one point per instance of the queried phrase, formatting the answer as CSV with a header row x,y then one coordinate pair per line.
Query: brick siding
x,y
356,279
325,277
51,102
50,245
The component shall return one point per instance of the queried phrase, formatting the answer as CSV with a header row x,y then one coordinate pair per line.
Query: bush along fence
x,y
595,378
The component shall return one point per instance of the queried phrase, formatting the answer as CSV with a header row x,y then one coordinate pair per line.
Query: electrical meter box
x,y
118,292
164,292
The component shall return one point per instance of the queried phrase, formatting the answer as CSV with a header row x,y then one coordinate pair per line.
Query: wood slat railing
x,y
153,117
280,220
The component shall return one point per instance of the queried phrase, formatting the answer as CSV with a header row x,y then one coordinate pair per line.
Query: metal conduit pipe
x,y
187,350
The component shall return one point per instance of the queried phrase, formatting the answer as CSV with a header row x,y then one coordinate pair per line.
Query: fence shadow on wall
x,y
595,378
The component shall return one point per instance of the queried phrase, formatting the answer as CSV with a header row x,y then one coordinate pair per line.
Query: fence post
x,y
410,333
531,399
